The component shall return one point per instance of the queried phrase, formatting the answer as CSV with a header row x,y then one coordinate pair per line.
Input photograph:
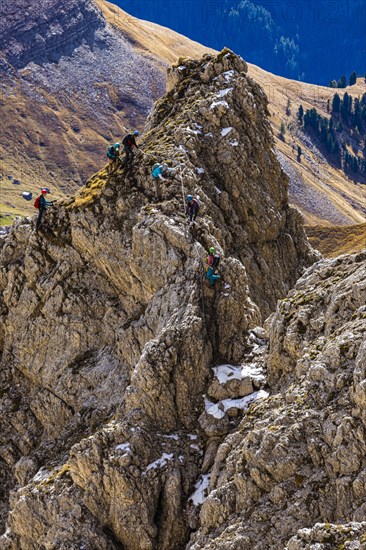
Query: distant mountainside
x,y
323,192
311,40
59,112
72,79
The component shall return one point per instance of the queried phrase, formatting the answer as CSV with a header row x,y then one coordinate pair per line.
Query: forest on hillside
x,y
273,34
343,135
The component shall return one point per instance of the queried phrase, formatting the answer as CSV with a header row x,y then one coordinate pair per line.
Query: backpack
x,y
128,140
36,203
215,262
111,153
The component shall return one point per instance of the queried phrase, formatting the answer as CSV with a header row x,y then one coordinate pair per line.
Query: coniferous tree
x,y
345,104
328,105
333,84
324,130
353,79
300,114
299,153
336,104
342,82
357,116
288,110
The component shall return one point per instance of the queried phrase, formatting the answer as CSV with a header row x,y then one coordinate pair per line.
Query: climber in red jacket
x,y
212,262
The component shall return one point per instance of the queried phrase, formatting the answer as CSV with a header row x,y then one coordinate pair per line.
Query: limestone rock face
x,y
322,536
292,476
109,332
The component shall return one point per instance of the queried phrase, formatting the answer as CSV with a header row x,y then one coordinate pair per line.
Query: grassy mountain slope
x,y
324,194
333,241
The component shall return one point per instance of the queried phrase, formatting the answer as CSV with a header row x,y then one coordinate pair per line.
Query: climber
x,y
129,142
41,204
113,155
192,209
212,263
158,173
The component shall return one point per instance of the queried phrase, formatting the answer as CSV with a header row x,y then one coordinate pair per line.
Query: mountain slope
x,y
324,194
59,114
108,330
272,34
73,79
291,477
333,241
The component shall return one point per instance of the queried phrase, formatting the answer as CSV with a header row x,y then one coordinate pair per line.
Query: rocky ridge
x,y
113,422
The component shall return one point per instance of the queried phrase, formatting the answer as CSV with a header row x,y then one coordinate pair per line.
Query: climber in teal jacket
x,y
212,262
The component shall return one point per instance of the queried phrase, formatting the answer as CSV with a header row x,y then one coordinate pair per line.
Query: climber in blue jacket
x,y
159,173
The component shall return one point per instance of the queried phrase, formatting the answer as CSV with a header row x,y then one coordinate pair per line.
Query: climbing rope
x,y
202,293
183,191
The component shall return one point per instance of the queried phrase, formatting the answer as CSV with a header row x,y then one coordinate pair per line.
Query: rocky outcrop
x,y
296,463
109,332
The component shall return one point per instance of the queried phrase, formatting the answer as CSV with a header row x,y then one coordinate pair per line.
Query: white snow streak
x,y
223,93
218,410
159,462
228,75
124,447
226,131
198,496
217,103
230,372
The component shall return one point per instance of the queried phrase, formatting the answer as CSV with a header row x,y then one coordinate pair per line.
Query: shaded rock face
x,y
293,473
108,331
